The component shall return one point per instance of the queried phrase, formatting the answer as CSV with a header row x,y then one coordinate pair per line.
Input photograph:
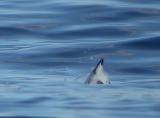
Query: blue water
x,y
47,48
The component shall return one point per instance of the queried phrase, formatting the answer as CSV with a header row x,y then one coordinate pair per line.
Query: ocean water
x,y
48,47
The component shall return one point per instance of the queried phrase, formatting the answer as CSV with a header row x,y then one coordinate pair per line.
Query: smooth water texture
x,y
48,47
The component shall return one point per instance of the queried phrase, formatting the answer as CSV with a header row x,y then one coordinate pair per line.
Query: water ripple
x,y
48,48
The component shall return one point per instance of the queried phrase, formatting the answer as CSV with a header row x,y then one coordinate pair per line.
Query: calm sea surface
x,y
48,47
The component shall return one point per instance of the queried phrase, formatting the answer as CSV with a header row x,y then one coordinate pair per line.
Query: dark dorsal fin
x,y
99,82
100,62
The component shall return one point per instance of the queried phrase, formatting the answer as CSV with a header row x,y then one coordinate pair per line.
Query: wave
x,y
152,43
